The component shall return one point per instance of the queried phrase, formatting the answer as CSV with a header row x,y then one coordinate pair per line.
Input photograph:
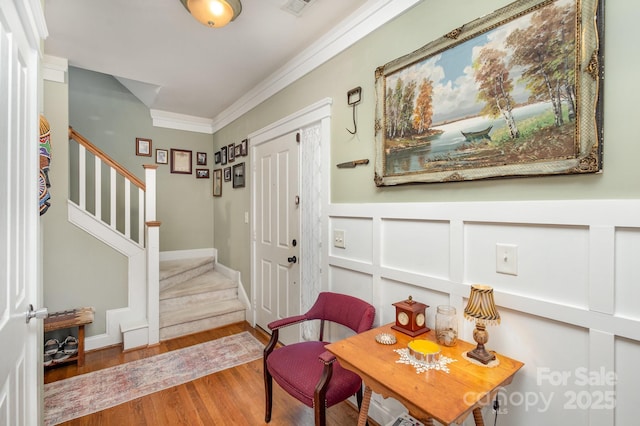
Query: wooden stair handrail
x,y
104,157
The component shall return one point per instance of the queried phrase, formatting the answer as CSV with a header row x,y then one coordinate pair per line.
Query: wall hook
x,y
353,98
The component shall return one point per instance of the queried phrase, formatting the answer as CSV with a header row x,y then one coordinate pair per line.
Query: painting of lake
x,y
446,145
504,100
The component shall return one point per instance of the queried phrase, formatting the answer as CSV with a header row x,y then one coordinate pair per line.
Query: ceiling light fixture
x,y
213,13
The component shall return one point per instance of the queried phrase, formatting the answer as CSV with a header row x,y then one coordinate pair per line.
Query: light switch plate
x,y
507,259
338,238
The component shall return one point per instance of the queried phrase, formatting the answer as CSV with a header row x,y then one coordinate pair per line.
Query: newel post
x,y
153,254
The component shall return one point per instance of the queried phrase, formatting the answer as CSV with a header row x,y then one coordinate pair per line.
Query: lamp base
x,y
480,354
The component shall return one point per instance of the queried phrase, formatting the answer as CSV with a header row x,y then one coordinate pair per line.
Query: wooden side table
x,y
448,397
69,319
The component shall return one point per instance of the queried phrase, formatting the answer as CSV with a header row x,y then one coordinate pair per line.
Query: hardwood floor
x,y
230,397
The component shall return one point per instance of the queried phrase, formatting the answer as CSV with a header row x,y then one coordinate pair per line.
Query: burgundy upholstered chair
x,y
306,370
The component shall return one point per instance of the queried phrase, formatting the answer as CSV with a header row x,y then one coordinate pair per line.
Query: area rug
x,y
92,392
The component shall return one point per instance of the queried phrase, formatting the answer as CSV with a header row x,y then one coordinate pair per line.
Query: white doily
x,y
421,366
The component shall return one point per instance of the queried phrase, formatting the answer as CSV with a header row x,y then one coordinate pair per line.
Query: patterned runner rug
x,y
88,393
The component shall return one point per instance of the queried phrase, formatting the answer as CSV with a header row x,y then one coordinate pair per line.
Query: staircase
x,y
167,298
195,296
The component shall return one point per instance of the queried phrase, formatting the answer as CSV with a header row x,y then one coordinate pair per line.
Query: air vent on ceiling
x,y
296,7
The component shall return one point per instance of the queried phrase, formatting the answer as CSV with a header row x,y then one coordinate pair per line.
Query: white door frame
x,y
22,29
315,115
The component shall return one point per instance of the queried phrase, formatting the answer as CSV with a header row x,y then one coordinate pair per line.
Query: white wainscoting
x,y
571,314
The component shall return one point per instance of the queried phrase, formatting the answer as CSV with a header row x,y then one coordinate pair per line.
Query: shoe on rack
x,y
70,345
51,346
60,356
48,360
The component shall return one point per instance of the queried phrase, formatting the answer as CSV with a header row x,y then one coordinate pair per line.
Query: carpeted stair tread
x,y
198,310
194,297
210,281
170,268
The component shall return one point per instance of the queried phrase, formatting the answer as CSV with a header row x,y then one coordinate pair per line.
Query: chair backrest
x,y
343,309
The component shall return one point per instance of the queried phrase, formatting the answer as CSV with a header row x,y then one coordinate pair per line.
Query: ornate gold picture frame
x,y
515,93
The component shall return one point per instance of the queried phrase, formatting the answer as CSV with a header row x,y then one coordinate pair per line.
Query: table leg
x,y
364,409
477,416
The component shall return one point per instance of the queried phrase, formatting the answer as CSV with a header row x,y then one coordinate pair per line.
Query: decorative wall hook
x,y
353,98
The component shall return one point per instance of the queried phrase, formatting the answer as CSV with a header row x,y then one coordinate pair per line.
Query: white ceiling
x,y
175,64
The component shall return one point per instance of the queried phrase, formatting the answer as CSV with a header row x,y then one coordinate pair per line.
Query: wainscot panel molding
x,y
570,312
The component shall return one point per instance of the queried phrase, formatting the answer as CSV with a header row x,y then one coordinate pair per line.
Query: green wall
x,y
355,67
79,270
107,114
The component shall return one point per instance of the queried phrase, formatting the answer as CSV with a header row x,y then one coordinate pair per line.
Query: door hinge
x,y
298,137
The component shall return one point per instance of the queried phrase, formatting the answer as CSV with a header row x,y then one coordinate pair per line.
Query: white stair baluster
x,y
82,178
98,186
127,208
113,189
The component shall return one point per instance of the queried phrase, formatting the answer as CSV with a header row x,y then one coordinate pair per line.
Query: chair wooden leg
x,y
268,391
320,416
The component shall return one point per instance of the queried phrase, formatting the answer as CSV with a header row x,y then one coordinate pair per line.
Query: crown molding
x,y
358,25
54,68
172,120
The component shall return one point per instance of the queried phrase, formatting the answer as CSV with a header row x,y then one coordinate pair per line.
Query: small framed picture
x,y
238,150
202,173
243,147
238,175
223,155
143,147
181,161
201,159
217,182
162,156
216,157
227,174
232,153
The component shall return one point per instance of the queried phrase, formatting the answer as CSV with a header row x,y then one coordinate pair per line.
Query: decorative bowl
x,y
386,339
424,350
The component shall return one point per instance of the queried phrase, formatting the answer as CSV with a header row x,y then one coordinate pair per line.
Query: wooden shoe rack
x,y
69,319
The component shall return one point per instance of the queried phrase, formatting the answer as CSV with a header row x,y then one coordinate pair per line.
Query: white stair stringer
x,y
136,311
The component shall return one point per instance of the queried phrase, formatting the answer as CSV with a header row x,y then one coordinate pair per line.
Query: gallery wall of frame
x,y
181,161
234,173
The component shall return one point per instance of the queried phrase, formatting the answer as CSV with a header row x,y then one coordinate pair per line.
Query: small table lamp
x,y
482,308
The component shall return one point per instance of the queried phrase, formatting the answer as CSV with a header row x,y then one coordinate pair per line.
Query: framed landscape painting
x,y
514,93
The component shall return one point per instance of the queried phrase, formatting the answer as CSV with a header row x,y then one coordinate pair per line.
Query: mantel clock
x,y
410,317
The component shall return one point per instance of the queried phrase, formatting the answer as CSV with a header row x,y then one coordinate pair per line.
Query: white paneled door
x,y
277,232
19,237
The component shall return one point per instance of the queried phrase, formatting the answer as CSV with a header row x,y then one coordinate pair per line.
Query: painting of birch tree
x,y
503,100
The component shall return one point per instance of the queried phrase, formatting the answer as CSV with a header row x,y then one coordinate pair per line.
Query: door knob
x,y
292,259
41,313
